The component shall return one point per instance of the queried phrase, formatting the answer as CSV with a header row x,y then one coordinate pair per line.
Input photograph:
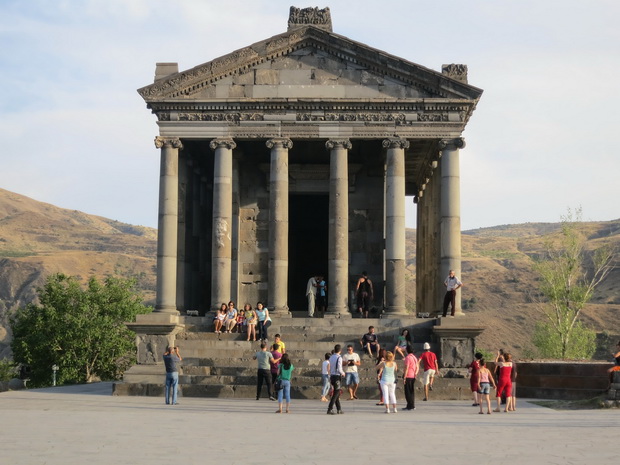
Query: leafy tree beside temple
x,y
79,329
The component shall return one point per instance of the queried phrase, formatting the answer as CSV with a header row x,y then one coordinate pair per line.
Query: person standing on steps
x,y
452,283
350,362
264,359
431,367
335,378
172,357
263,317
364,293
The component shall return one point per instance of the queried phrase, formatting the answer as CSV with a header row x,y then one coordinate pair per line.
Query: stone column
x,y
395,243
221,248
450,211
338,249
278,225
167,224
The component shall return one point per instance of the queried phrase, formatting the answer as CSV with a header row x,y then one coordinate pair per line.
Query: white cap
x,y
427,346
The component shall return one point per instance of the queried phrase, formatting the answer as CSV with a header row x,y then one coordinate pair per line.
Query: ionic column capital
x,y
395,143
222,143
338,143
173,142
279,142
457,143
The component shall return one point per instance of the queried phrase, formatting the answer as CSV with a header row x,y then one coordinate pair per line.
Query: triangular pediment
x,y
308,63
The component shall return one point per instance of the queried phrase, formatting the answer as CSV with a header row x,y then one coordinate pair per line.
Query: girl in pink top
x,y
485,380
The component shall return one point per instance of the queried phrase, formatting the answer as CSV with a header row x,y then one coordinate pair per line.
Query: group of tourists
x,y
481,380
274,371
249,321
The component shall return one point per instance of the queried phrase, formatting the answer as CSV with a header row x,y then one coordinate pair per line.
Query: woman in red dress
x,y
504,383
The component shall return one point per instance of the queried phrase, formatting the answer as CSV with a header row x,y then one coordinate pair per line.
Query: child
x,y
278,340
485,380
240,328
325,377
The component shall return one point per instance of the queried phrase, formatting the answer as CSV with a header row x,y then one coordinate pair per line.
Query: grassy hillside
x,y
501,290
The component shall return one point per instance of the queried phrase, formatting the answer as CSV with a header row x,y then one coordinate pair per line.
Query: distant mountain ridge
x,y
500,292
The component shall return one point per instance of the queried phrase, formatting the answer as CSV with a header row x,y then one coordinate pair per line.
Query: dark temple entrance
x,y
308,241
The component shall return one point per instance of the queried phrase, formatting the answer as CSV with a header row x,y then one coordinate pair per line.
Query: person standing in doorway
x,y
311,295
172,357
335,378
321,296
452,283
364,293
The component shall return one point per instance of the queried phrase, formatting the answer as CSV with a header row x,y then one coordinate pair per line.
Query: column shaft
x,y
278,225
450,226
167,225
338,248
221,249
395,243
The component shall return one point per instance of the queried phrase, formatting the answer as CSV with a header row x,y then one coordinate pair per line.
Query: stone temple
x,y
293,156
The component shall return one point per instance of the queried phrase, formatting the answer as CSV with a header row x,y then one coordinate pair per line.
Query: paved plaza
x,y
86,425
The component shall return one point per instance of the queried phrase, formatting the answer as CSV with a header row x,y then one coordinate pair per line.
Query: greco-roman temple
x,y
293,156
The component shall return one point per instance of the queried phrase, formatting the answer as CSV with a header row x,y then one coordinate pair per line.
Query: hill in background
x,y
38,239
500,292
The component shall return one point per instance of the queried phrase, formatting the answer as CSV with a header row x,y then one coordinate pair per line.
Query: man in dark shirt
x,y
370,342
172,357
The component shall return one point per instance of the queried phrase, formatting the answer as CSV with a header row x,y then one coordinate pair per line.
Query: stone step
x,y
444,389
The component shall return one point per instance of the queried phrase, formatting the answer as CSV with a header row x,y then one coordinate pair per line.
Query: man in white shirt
x,y
335,375
350,362
452,283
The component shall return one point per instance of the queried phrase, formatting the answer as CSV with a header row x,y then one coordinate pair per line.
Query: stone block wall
x,y
308,73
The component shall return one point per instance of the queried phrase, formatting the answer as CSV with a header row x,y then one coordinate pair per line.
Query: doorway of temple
x,y
308,242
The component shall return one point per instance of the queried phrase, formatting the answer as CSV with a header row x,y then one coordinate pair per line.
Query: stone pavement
x,y
86,425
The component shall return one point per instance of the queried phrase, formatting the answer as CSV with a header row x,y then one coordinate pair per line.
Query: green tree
x,y
81,330
569,274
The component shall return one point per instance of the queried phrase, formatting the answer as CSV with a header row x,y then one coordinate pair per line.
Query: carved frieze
x,y
433,117
199,116
351,117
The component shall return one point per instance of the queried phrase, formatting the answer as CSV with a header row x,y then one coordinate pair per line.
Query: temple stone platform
x,y
221,365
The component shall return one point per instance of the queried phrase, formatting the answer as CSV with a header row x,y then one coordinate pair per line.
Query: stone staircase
x,y
222,366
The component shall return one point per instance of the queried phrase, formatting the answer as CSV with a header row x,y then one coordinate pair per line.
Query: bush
x,y
8,370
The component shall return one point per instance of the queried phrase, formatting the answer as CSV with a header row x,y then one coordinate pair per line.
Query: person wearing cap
x,y
429,360
172,357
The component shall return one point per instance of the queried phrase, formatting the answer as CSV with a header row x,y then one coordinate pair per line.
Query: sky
x,y
75,133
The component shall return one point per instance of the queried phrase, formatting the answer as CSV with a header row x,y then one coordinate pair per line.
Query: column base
x,y
400,311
